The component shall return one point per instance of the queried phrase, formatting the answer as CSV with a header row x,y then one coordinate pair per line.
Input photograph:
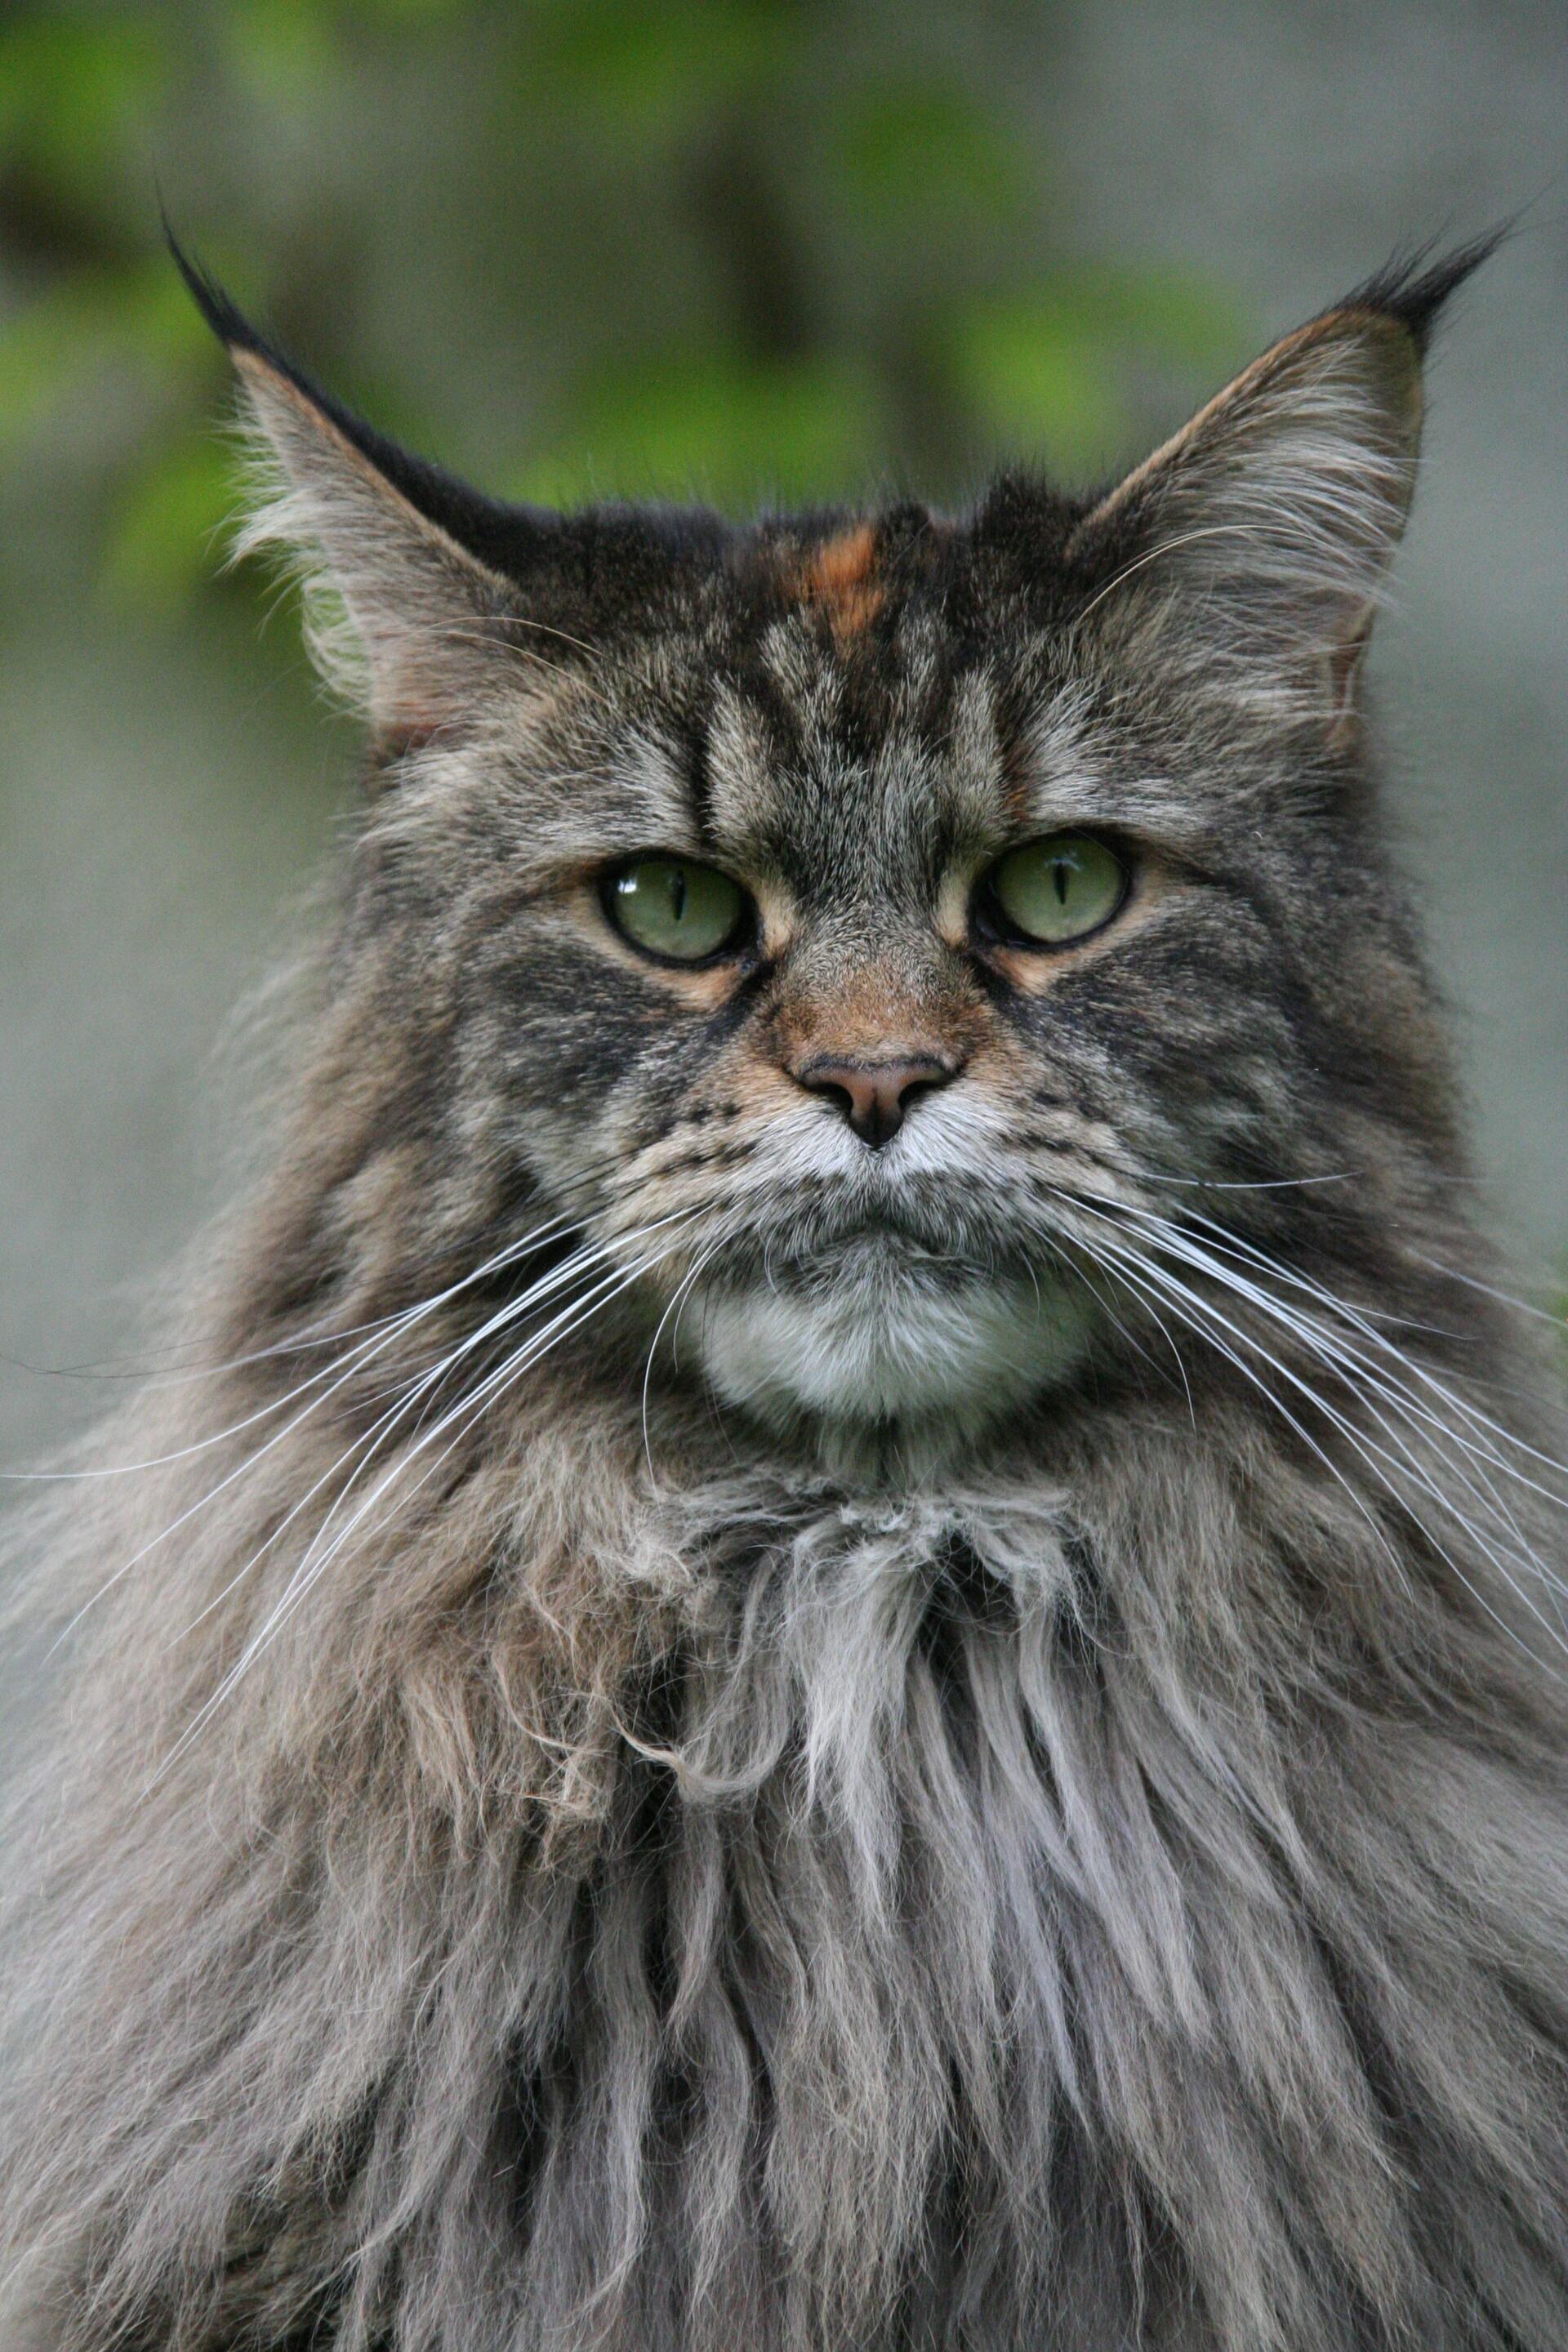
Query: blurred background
x,y
749,250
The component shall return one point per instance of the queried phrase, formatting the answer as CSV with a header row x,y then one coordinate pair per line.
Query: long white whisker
x,y
1267,1184
345,1367
1371,1380
536,1346
406,1396
681,1289
1368,1382
1407,1369
1374,1455
315,1563
1487,1290
393,1324
1368,1453
1067,1259
1142,1274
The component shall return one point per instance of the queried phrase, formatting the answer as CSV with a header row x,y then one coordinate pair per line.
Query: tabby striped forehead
x,y
840,730
794,778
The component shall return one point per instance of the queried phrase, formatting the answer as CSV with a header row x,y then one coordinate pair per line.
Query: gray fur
x,y
550,1841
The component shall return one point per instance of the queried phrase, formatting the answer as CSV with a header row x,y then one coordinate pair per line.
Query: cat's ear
x,y
1251,551
406,618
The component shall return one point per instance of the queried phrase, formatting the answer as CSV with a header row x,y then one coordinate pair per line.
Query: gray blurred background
x,y
747,248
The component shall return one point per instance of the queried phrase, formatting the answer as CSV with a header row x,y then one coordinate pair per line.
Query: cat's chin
x,y
883,1346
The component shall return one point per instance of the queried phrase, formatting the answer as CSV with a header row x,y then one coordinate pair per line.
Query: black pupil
x,y
1061,868
677,892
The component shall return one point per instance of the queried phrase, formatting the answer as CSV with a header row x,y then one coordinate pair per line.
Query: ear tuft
x,y
478,523
1414,286
222,315
405,618
1250,552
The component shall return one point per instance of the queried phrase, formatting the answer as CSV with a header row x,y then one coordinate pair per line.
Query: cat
x,y
849,1631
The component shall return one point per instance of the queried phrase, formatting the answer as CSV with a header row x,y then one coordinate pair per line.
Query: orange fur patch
x,y
840,576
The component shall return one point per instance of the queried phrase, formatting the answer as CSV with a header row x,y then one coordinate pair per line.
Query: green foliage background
x,y
752,250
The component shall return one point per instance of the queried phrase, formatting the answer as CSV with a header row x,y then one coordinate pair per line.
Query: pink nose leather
x,y
874,1096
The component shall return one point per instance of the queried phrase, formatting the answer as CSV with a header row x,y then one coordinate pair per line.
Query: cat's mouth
x,y
889,1250
935,1229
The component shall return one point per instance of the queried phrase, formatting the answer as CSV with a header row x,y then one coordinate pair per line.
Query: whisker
x,y
1347,1360
1363,1323
1503,1297
1369,1453
1267,1184
406,1395
315,1562
1369,1381
1379,1460
1143,1276
1067,1259
345,1367
681,1290
404,1319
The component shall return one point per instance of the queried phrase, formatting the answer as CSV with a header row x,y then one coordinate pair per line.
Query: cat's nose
x,y
875,1096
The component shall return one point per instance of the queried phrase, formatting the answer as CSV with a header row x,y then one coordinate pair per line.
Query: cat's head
x,y
839,916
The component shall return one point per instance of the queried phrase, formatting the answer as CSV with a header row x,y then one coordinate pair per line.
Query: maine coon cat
x,y
850,1633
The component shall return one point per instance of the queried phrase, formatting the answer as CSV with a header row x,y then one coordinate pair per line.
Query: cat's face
x,y
826,916
846,962
788,1013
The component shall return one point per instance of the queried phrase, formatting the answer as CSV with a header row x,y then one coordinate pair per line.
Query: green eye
x,y
672,907
1058,888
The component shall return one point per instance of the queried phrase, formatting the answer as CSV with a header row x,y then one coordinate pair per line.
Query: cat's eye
x,y
673,908
1057,890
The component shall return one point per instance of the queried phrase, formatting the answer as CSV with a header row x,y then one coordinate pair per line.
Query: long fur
x,y
532,1852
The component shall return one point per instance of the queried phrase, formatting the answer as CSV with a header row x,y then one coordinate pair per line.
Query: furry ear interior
x,y
404,617
1252,549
